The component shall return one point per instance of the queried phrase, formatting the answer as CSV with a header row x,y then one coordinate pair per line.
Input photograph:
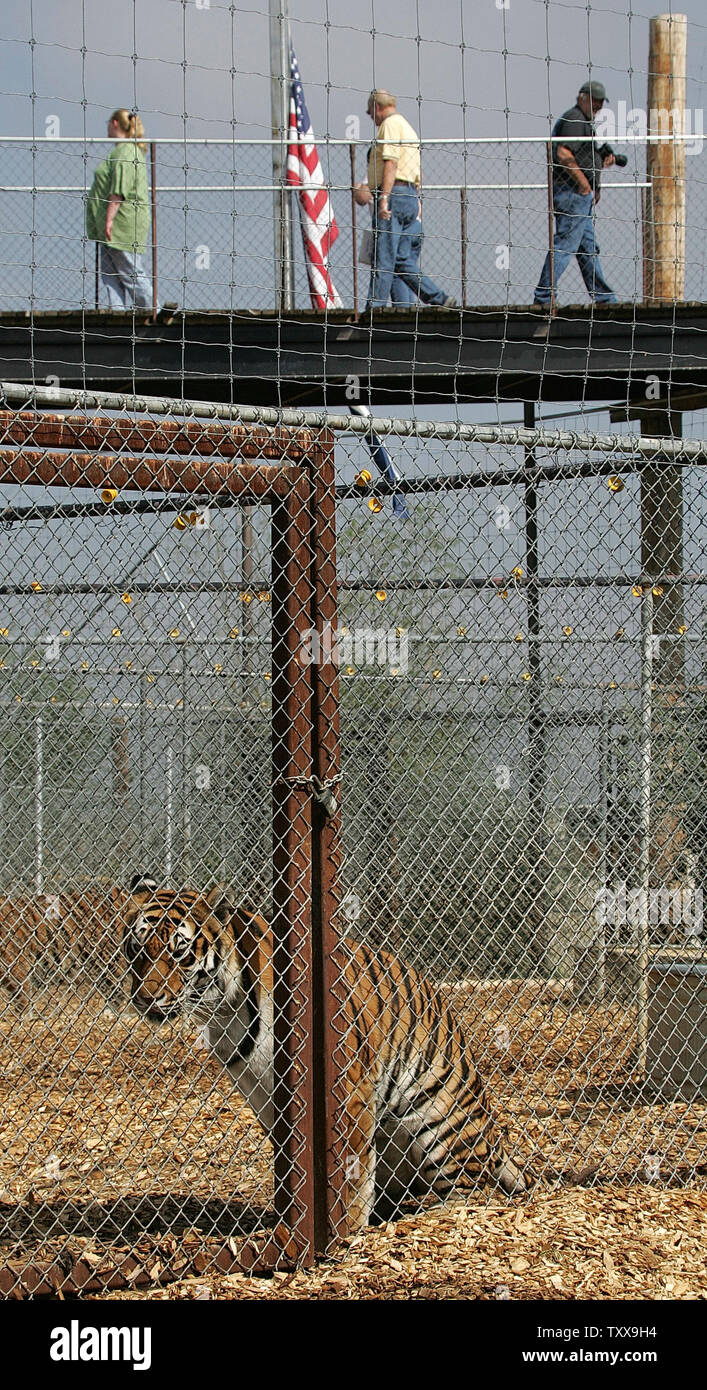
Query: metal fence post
x,y
464,243
603,842
293,1137
354,226
169,813
39,805
550,226
329,1143
537,776
645,822
153,190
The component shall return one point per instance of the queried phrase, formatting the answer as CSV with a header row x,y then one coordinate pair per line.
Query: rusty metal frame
x,y
305,745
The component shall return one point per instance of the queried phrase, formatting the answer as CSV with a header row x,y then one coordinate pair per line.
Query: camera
x,y
621,160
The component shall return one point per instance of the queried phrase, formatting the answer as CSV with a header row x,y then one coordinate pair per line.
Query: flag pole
x,y
280,106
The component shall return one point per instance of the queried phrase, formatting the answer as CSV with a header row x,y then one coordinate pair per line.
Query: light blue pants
x,y
574,236
397,253
400,293
125,280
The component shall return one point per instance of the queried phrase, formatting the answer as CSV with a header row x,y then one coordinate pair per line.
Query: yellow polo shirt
x,y
387,145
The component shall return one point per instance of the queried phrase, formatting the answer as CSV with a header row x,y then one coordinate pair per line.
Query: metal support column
x,y
280,107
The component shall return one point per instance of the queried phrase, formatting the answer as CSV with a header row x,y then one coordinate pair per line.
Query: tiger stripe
x,y
416,1115
50,937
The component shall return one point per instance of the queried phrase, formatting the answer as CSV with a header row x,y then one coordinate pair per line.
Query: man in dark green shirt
x,y
576,186
118,215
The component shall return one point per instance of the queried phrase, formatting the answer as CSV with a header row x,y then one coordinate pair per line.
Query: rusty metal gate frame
x,y
226,463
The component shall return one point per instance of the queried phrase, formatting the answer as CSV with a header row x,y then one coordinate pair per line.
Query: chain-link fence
x,y
519,647
128,1156
484,209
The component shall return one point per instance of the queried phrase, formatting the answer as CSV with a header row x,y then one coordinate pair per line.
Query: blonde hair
x,y
131,125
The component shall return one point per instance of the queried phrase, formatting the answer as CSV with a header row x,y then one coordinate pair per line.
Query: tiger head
x,y
190,951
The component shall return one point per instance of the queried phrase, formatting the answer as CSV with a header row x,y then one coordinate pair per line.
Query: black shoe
x,y
543,328
167,312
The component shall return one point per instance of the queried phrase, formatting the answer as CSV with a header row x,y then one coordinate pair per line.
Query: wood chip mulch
x,y
606,1244
124,1144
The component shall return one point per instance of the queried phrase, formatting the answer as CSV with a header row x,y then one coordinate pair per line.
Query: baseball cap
x,y
595,90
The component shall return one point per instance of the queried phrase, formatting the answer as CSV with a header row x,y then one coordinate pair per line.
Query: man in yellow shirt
x,y
394,183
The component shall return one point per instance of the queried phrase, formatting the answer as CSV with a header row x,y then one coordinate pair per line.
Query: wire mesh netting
x,y
136,806
519,650
527,753
484,222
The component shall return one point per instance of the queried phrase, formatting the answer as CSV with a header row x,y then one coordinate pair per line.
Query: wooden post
x,y
664,241
661,483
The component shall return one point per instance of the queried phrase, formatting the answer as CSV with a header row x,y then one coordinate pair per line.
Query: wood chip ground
x,y
608,1244
120,1138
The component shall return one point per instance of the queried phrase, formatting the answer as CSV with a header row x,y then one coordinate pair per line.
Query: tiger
x,y
416,1115
51,937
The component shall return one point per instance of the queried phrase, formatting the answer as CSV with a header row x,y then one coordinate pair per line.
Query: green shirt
x,y
123,172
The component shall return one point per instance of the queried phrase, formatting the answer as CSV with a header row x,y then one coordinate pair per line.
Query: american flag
x,y
319,229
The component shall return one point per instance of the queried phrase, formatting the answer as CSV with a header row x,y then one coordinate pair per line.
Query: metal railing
x,y
486,218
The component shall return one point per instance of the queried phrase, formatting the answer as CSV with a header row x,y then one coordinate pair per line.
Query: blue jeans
x,y
574,236
400,293
396,253
125,280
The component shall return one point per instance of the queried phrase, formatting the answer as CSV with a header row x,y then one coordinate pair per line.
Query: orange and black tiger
x,y
417,1119
50,938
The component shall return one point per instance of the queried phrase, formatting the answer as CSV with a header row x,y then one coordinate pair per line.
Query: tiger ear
x,y
142,884
222,901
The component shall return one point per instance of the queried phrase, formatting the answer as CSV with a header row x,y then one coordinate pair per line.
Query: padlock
x,y
327,801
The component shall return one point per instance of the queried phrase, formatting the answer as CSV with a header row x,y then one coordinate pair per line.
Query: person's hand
x,y
608,161
109,231
362,194
384,212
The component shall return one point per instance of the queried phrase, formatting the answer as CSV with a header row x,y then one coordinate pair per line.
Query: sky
x,y
196,66
200,68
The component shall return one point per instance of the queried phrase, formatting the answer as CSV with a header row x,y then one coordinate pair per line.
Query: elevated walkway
x,y
600,352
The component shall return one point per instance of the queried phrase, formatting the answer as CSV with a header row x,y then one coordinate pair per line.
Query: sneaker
x,y
449,303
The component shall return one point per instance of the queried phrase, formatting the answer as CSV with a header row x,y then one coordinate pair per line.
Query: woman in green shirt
x,y
118,214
